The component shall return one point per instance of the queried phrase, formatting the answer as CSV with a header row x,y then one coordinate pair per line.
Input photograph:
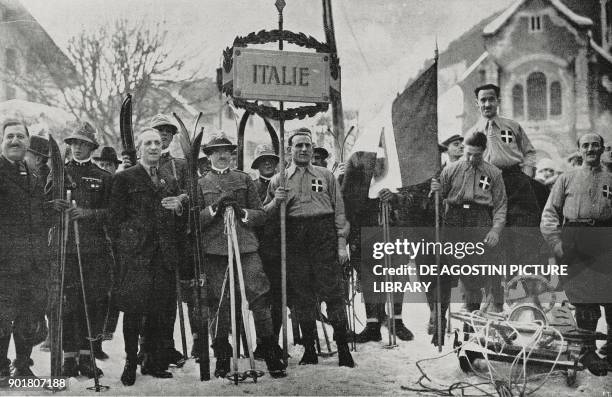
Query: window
x,y
556,107
518,101
536,96
535,23
11,59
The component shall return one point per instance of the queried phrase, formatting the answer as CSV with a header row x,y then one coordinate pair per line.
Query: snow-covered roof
x,y
500,21
473,66
601,51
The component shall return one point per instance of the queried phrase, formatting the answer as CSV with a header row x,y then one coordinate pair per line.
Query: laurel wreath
x,y
270,36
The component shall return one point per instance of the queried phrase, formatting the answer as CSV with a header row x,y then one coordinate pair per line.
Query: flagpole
x,y
437,203
280,4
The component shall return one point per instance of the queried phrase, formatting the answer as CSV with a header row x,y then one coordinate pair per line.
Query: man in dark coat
x,y
24,268
363,211
90,190
178,168
266,162
37,156
146,226
220,188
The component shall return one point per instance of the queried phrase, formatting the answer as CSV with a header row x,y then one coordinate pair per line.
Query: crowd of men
x,y
134,246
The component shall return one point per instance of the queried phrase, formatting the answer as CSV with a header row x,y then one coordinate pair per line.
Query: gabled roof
x,y
473,66
505,16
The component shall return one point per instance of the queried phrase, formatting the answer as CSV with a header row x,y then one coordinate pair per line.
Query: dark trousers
x,y
271,265
587,316
314,274
256,289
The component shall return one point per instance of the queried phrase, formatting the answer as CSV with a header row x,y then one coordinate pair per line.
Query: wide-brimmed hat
x,y
262,151
39,145
218,142
322,151
452,139
86,132
161,119
108,154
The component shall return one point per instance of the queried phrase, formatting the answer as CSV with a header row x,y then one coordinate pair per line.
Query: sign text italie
x,y
281,75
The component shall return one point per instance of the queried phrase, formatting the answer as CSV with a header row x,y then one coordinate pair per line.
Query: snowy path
x,y
379,371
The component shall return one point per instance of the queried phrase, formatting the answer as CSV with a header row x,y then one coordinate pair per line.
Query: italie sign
x,y
281,75
250,75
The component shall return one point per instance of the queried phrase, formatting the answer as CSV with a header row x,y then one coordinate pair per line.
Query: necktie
x,y
154,176
21,168
304,185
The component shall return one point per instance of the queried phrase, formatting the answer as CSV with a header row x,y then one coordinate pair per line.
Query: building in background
x,y
552,61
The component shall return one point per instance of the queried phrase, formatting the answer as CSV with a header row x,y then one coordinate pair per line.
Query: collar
x,y
263,178
82,162
293,168
219,171
147,168
166,150
588,168
484,120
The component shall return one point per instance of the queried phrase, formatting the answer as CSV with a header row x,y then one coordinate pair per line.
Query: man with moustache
x,y
453,147
576,223
24,266
221,188
316,245
37,156
90,191
146,225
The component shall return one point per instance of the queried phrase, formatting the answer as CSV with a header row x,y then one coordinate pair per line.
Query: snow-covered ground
x,y
378,371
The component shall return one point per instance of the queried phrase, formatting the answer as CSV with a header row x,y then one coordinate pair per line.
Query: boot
x,y
274,361
98,352
310,355
22,368
86,367
595,364
172,357
5,373
223,354
70,369
344,356
128,377
603,350
371,333
402,332
150,366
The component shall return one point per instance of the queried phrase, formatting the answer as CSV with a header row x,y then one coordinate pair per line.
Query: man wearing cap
x,y
453,146
319,156
146,224
37,156
476,212
266,162
107,160
576,223
221,188
89,186
178,167
316,245
24,261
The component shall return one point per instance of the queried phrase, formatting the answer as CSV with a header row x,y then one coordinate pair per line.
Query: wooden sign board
x,y
281,75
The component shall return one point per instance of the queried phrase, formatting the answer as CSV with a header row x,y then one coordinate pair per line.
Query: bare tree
x,y
108,63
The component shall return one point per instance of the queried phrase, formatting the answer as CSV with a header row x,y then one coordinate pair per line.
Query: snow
x,y
379,371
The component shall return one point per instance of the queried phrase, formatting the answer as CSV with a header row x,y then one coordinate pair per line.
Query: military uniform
x,y
238,185
24,266
578,214
316,227
475,203
90,188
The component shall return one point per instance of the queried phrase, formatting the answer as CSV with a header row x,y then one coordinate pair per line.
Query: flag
x,y
415,127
